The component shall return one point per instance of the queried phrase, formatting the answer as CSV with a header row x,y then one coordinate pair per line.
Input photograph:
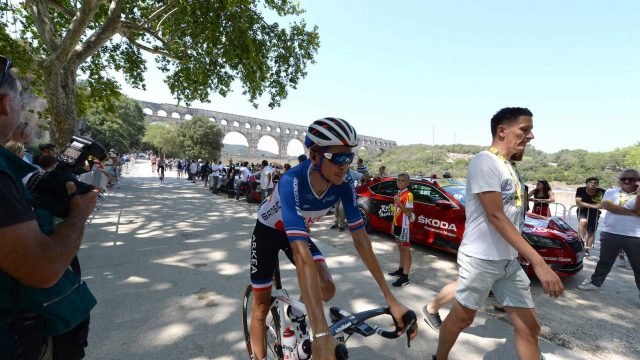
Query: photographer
x,y
29,259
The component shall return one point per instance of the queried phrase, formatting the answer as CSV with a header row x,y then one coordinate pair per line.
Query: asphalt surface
x,y
169,264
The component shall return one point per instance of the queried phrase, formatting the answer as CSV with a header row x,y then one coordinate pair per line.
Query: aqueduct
x,y
253,129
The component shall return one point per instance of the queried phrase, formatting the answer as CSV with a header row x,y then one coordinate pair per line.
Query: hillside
x,y
570,167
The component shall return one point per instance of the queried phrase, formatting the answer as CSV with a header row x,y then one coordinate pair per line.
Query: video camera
x,y
49,188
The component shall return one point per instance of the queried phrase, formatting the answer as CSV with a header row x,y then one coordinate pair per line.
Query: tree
x,y
201,45
123,130
164,140
201,138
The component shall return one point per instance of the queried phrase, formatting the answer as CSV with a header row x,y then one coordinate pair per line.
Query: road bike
x,y
280,328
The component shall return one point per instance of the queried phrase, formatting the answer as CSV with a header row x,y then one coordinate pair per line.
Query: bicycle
x,y
161,173
343,324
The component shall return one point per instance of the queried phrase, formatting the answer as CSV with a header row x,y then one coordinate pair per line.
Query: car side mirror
x,y
444,204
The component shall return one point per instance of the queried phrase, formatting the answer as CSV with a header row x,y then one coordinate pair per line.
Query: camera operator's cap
x,y
47,146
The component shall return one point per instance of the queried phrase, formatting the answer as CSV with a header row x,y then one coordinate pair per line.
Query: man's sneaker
x,y
402,281
588,285
433,320
396,273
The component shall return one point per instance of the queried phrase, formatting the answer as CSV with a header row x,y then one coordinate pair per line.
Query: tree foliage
x,y
122,130
163,139
202,46
201,138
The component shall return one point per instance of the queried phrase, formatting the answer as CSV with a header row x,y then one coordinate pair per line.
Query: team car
x,y
439,217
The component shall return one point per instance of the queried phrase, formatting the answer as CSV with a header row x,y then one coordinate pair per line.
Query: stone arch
x,y
268,143
258,127
268,128
287,131
236,124
223,122
175,115
212,119
295,132
188,117
147,111
247,126
162,113
234,144
278,129
295,147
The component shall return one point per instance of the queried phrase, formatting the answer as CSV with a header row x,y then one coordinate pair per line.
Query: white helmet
x,y
331,132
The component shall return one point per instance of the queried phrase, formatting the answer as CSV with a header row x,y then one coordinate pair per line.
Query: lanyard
x,y
515,176
623,200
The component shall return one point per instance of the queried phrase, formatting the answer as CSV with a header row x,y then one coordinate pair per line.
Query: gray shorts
x,y
505,278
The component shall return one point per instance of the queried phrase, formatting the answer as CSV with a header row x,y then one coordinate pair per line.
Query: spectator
x,y
231,176
215,174
361,167
492,241
205,171
403,204
382,172
266,180
542,196
244,174
29,257
15,147
47,149
302,158
446,175
589,201
621,230
286,168
193,171
47,163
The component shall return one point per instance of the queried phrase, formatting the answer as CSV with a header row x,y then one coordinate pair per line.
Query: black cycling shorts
x,y
592,216
266,242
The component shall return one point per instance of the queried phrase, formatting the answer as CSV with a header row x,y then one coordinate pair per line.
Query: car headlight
x,y
543,242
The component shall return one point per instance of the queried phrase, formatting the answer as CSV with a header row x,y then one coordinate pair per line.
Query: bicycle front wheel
x,y
273,342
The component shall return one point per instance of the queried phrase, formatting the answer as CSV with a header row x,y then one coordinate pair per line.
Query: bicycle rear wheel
x,y
272,330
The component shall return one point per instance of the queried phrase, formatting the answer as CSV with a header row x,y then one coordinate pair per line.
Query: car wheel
x,y
365,218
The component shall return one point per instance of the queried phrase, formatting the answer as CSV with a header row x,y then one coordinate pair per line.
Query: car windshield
x,y
457,191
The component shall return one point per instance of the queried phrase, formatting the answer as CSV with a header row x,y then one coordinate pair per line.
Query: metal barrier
x,y
555,208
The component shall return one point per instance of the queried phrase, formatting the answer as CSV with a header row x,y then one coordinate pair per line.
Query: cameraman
x,y
26,254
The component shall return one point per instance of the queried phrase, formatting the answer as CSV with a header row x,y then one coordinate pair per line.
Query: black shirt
x,y
13,209
581,193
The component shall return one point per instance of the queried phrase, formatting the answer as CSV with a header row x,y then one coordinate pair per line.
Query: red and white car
x,y
439,209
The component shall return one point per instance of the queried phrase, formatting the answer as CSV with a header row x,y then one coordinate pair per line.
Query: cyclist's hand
x,y
324,348
397,311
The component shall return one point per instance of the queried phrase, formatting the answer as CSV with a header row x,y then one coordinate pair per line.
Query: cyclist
x,y
302,196
161,162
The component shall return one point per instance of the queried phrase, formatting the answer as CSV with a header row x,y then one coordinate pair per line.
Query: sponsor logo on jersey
x,y
273,210
254,255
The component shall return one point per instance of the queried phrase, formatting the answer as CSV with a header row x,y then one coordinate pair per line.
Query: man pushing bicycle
x,y
305,194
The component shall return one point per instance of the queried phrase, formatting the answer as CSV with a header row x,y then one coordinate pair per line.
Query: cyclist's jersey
x,y
400,219
294,206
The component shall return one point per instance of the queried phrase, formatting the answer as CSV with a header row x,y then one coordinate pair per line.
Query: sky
x,y
418,72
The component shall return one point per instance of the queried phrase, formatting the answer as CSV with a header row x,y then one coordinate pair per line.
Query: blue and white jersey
x,y
294,206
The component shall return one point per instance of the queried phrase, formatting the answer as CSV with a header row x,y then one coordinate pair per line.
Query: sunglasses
x,y
5,65
340,158
625,179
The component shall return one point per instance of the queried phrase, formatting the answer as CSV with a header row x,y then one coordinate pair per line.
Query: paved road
x,y
168,264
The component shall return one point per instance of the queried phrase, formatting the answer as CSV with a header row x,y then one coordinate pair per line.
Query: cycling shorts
x,y
402,235
266,242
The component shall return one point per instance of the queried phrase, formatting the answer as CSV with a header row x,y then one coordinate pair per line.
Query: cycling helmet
x,y
331,132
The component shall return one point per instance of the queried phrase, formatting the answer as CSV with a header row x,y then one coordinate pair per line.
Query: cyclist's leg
x,y
327,286
265,244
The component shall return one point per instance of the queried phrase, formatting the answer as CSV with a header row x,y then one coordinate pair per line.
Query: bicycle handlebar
x,y
347,322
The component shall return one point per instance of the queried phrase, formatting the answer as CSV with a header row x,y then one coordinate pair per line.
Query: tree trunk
x,y
60,89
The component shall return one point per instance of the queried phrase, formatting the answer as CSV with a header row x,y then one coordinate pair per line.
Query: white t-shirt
x,y
244,173
481,240
215,169
264,177
621,224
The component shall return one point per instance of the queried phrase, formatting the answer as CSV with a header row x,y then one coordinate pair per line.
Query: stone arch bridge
x,y
253,129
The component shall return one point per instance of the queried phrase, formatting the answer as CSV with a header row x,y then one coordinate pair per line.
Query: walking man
x,y
492,240
621,230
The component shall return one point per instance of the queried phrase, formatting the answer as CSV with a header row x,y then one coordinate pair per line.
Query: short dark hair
x,y
302,157
265,163
593,178
46,161
507,115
